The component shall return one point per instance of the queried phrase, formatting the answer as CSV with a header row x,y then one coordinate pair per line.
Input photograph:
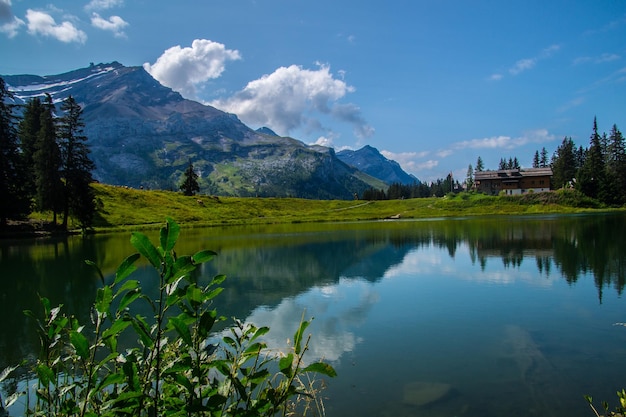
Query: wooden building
x,y
513,181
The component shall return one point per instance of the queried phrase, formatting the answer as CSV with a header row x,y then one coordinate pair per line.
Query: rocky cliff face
x,y
143,134
372,162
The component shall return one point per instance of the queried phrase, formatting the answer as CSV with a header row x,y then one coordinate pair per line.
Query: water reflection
x,y
363,283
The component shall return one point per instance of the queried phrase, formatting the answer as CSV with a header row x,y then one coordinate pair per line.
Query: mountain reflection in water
x,y
495,310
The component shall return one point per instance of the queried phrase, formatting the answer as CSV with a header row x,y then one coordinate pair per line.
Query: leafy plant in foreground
x,y
173,368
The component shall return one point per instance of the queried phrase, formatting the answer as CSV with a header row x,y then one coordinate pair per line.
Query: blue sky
x,y
432,84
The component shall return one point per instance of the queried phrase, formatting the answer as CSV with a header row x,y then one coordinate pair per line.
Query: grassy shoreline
x,y
122,209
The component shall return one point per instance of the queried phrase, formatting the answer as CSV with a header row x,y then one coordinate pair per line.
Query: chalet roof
x,y
510,174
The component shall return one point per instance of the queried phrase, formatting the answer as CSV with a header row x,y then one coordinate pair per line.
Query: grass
x,y
121,208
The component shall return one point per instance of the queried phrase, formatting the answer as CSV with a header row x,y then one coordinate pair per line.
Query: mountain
x,y
370,161
143,134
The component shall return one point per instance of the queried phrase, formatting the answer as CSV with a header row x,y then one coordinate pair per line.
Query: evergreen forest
x,y
44,162
597,171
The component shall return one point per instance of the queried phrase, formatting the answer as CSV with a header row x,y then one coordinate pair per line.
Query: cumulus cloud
x,y
410,161
114,24
9,24
182,69
294,97
103,4
40,23
5,11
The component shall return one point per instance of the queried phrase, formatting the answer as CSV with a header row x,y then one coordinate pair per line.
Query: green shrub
x,y
173,369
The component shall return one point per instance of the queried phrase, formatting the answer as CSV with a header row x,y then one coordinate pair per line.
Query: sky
x,y
431,84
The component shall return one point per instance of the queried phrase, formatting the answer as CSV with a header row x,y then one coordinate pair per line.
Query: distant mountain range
x,y
370,161
143,134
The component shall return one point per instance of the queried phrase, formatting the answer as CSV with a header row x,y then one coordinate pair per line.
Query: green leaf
x,y
141,328
297,337
260,332
181,329
128,298
129,285
146,248
169,234
285,364
45,374
126,268
207,320
110,379
321,368
116,328
80,343
218,279
104,297
203,256
93,264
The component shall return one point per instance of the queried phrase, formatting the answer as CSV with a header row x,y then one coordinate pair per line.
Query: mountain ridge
x,y
143,135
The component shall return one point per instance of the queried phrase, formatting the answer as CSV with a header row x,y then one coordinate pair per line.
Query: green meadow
x,y
121,208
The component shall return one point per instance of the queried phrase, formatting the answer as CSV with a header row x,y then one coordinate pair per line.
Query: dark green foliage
x,y
564,165
175,363
47,163
76,166
190,186
480,166
13,201
590,178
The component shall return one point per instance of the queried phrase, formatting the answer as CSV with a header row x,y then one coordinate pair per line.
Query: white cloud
x,y
505,142
528,63
182,69
12,27
293,97
5,11
523,65
9,24
410,161
40,23
605,57
114,24
103,4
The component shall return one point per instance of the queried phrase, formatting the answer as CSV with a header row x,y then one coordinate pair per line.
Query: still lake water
x,y
502,316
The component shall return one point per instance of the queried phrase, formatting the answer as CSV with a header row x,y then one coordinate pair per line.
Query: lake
x,y
489,316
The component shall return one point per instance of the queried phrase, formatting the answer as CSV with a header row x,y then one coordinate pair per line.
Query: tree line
x,y
598,171
44,161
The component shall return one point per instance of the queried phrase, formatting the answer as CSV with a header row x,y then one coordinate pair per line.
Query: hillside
x,y
143,135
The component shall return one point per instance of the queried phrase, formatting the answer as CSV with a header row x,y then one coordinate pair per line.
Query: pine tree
x,y
190,186
47,163
469,180
615,180
480,167
543,161
591,174
13,202
76,167
536,160
28,131
564,164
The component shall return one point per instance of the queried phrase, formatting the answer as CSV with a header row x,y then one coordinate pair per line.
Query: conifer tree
x,y
543,160
13,203
190,186
564,164
480,166
469,180
76,166
615,168
536,160
47,163
28,131
591,174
